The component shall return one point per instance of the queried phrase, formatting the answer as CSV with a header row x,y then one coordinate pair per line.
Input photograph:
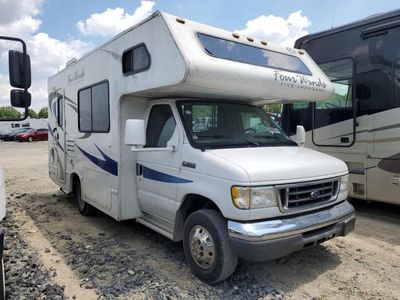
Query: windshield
x,y
213,124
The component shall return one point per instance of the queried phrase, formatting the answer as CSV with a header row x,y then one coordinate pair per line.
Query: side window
x,y
340,72
160,127
100,108
60,115
54,105
339,107
94,108
135,60
85,110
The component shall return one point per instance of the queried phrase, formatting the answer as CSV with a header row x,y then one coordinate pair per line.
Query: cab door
x,y
333,120
158,171
57,158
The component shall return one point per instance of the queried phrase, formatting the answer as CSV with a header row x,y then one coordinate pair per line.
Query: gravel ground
x,y
128,261
25,277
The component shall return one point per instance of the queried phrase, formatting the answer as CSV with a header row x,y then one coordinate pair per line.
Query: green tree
x,y
275,108
9,112
32,114
43,113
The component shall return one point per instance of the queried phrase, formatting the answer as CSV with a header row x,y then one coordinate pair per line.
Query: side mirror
x,y
20,69
19,65
300,135
20,98
134,133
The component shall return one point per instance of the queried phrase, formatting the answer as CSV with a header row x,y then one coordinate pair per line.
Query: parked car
x,y
13,134
33,135
3,133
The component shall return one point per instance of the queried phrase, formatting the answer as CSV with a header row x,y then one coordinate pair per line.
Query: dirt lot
x,y
55,253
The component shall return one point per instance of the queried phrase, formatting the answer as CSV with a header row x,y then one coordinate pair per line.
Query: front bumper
x,y
272,239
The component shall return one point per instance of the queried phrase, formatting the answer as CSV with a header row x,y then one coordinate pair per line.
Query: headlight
x,y
253,197
344,187
344,183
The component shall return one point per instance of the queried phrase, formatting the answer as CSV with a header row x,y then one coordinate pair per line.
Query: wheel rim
x,y
202,247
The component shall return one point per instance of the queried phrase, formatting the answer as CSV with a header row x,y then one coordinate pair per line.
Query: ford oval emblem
x,y
315,194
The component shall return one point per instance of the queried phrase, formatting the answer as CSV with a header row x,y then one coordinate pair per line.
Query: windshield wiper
x,y
226,136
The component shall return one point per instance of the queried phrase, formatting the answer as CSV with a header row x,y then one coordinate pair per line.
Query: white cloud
x,y
11,10
113,21
47,54
277,29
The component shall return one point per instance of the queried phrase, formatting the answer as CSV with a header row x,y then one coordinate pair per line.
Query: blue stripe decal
x,y
52,134
107,164
162,177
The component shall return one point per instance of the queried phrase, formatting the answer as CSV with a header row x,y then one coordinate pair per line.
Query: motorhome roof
x,y
217,63
363,22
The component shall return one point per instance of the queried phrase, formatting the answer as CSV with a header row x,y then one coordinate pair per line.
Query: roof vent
x,y
71,61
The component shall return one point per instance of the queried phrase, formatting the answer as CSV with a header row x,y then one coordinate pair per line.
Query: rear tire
x,y
30,139
206,246
84,208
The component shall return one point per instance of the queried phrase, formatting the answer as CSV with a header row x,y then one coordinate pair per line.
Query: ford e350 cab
x,y
169,130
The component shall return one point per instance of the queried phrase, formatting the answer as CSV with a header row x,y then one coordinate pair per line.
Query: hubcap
x,y
202,247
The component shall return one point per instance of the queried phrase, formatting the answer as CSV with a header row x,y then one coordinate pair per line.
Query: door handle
x,y
139,169
344,140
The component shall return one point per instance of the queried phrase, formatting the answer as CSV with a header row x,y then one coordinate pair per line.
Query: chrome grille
x,y
308,194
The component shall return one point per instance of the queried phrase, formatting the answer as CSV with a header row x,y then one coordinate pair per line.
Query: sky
x,y
58,30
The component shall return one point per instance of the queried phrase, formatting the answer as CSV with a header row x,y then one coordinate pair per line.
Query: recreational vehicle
x,y
360,122
163,124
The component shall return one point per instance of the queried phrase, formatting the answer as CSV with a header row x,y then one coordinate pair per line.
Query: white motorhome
x,y
127,137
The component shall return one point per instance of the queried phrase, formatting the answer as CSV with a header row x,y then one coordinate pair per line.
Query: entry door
x,y
57,156
333,120
158,171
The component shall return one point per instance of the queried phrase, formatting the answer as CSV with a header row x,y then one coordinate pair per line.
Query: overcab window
x,y
239,52
135,60
93,108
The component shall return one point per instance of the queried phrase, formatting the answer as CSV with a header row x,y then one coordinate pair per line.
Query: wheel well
x,y
74,180
190,204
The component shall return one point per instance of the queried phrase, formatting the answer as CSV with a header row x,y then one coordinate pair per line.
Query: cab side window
x,y
161,126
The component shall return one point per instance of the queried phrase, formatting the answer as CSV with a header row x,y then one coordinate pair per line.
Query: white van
x,y
125,139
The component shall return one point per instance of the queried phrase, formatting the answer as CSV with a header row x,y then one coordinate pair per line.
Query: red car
x,y
33,135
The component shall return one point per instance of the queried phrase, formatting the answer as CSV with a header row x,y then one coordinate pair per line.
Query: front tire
x,y
206,246
84,208
30,139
